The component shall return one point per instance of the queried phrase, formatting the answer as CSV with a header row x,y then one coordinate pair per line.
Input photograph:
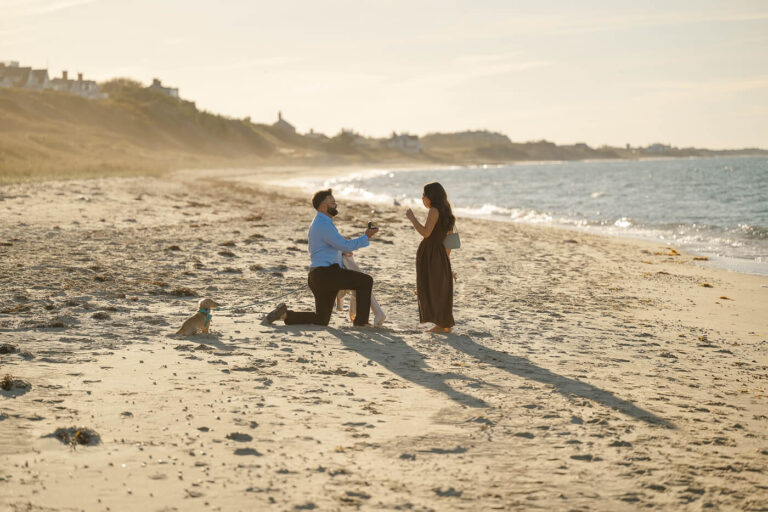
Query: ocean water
x,y
717,207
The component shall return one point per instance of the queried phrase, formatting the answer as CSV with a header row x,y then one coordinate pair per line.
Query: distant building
x,y
13,75
283,124
85,88
357,139
404,142
173,92
38,79
658,148
315,135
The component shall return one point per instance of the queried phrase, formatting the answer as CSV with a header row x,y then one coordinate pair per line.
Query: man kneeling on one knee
x,y
326,274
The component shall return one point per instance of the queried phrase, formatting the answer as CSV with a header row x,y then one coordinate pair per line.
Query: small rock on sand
x,y
183,292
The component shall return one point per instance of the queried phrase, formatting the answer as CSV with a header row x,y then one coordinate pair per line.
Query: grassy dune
x,y
49,135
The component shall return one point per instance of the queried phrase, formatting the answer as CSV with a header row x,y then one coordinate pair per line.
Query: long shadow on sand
x,y
393,353
563,385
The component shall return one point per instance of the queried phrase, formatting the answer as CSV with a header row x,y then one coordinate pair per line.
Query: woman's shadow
x,y
393,353
566,386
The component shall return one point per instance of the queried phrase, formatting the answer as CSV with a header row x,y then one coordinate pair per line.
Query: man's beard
x,y
333,212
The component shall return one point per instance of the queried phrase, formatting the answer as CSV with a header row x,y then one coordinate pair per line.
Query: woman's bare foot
x,y
441,330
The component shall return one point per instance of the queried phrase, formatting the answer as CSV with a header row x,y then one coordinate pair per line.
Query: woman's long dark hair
x,y
439,199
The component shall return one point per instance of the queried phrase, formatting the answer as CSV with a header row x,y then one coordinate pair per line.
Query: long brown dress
x,y
434,280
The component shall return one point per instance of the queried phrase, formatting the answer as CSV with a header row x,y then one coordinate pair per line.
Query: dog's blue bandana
x,y
208,315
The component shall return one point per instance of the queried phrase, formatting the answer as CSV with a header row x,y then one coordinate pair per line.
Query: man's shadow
x,y
563,385
393,353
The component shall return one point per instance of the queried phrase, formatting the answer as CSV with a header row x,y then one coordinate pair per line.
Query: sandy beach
x,y
584,372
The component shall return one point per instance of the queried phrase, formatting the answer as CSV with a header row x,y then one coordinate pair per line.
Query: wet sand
x,y
584,373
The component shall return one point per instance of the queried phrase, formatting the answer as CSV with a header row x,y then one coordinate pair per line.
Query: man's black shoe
x,y
275,314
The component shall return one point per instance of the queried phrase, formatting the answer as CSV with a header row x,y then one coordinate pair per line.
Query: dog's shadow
x,y
212,339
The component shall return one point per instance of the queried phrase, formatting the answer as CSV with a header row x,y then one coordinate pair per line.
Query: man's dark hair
x,y
319,197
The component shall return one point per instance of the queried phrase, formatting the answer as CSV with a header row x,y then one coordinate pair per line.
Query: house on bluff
x,y
81,87
283,125
157,85
404,142
13,75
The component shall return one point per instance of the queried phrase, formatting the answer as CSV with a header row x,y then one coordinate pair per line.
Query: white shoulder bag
x,y
452,240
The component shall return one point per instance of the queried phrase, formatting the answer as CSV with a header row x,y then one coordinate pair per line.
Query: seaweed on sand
x,y
74,436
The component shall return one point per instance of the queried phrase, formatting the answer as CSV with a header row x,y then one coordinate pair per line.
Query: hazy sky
x,y
683,72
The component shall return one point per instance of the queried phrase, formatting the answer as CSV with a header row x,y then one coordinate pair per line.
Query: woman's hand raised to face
x,y
409,214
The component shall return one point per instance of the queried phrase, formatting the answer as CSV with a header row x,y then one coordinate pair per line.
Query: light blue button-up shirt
x,y
326,244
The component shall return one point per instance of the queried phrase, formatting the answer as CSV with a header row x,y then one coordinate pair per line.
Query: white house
x,y
173,92
315,135
13,75
86,88
357,139
38,79
658,148
404,142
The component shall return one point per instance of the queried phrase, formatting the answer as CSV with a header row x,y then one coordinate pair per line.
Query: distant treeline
x,y
484,145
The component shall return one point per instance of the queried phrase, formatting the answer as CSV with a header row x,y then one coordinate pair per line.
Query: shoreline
x,y
731,264
157,170
274,174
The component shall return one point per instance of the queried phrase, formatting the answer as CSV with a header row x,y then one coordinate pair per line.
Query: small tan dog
x,y
200,321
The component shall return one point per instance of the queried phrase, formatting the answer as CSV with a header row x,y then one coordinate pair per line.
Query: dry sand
x,y
585,372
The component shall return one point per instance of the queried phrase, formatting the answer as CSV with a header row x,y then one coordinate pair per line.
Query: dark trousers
x,y
325,283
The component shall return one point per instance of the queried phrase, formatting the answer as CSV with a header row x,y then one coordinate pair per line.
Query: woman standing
x,y
434,277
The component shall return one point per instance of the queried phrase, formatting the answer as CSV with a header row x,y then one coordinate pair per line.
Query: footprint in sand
x,y
448,493
586,457
7,349
248,451
239,437
443,451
